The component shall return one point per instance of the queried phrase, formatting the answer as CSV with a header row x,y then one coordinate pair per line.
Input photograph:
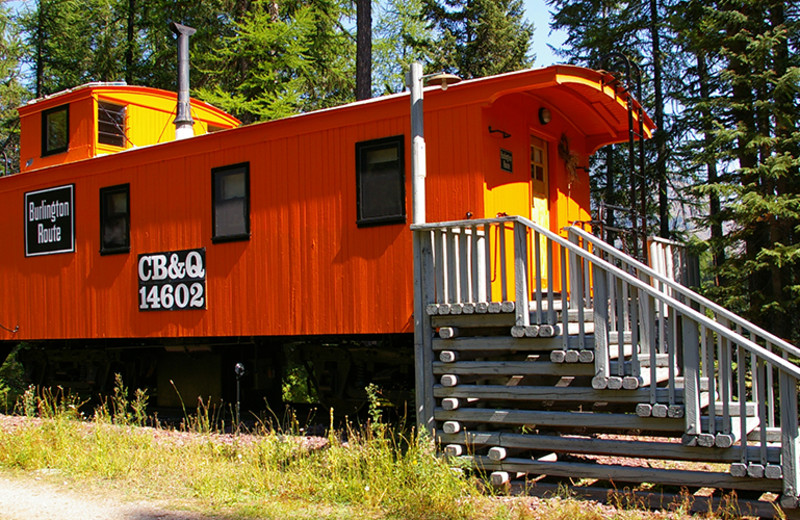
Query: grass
x,y
369,472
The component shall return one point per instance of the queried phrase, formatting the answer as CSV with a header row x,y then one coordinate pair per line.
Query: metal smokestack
x,y
184,126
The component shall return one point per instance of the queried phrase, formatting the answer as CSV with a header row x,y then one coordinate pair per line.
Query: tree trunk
x,y
743,100
130,43
714,206
661,160
40,51
364,50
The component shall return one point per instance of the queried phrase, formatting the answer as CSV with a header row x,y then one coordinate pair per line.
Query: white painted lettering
x,y
159,267
145,268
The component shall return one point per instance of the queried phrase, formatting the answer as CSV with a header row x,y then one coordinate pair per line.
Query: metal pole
x,y
184,126
421,361
418,173
238,370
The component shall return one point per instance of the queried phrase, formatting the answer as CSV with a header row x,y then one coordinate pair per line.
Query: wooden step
x,y
497,344
451,362
503,319
618,473
474,320
511,368
558,304
549,393
550,419
591,421
634,448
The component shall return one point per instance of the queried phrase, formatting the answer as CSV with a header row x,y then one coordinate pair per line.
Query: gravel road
x,y
31,498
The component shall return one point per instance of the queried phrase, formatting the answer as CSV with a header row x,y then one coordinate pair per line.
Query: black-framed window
x,y
110,124
115,219
380,182
55,130
230,188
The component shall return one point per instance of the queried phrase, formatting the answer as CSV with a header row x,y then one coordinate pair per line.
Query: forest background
x,y
720,78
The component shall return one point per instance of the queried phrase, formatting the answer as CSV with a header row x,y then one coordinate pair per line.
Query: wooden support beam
x,y
450,403
446,356
424,293
454,450
497,344
604,421
634,448
547,393
510,368
448,332
790,441
674,477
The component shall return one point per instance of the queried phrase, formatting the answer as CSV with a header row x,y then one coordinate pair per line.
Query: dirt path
x,y
24,497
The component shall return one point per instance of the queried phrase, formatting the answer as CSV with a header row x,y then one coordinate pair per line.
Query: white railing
x,y
699,361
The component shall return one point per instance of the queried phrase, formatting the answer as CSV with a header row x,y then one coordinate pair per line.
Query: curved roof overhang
x,y
592,101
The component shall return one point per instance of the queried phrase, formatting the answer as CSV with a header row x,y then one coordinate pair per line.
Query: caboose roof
x,y
118,89
593,101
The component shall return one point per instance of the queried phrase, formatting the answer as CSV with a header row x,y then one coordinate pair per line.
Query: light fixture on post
x,y
423,354
415,81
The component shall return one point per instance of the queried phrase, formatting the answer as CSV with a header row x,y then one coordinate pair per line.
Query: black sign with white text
x,y
50,221
172,281
506,161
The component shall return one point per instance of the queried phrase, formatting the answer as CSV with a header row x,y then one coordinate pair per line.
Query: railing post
x,y
574,280
690,340
789,441
521,275
601,304
423,333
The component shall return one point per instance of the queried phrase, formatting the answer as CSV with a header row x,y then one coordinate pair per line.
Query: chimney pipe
x,y
184,126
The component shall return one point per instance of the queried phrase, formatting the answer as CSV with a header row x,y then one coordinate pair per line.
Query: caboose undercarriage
x,y
332,372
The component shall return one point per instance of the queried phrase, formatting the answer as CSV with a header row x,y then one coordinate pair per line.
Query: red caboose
x,y
171,261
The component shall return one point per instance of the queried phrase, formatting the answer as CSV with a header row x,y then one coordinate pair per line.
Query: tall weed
x,y
120,409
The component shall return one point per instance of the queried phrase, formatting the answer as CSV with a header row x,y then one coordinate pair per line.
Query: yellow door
x,y
540,213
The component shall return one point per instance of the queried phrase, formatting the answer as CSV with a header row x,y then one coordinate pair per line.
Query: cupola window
x,y
110,124
55,130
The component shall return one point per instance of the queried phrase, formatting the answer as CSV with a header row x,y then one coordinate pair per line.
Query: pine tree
x,y
477,38
402,37
275,63
742,138
152,46
758,136
638,30
12,92
73,42
598,30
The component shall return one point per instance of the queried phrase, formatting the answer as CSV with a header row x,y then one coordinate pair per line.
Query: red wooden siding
x,y
307,269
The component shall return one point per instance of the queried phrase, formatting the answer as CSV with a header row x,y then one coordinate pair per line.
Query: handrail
x,y
731,390
687,292
746,343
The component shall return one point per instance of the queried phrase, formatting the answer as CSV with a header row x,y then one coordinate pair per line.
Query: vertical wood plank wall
x,y
307,269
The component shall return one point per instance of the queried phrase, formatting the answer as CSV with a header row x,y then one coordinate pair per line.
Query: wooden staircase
x,y
542,357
